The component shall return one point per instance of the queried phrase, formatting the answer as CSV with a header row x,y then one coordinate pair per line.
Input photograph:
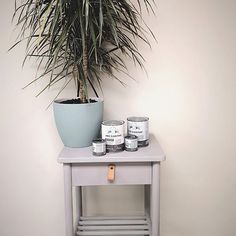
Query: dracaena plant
x,y
81,40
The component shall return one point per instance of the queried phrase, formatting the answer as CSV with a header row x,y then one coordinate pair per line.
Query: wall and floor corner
x,y
190,98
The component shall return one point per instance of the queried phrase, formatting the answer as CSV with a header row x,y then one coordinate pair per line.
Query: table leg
x,y
147,200
79,209
155,199
68,200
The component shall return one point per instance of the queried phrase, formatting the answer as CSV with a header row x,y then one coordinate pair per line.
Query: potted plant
x,y
80,41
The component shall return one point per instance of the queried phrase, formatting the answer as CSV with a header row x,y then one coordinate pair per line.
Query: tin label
x,y
139,129
99,147
114,135
131,143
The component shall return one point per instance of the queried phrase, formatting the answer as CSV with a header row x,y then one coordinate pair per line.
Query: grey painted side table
x,y
81,168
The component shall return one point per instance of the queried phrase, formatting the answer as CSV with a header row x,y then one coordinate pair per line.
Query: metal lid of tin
x,y
99,140
113,122
131,137
137,119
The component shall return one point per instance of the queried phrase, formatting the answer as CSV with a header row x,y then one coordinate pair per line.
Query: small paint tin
x,y
139,127
131,143
99,147
113,132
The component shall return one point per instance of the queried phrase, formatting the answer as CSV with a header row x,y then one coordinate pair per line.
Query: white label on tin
x,y
99,147
139,129
114,135
131,143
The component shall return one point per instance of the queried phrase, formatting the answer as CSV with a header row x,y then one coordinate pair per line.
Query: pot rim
x,y
59,100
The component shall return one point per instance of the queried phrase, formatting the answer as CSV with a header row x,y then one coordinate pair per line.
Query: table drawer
x,y
97,174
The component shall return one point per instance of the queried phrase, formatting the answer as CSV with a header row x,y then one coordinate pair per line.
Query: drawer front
x,y
97,174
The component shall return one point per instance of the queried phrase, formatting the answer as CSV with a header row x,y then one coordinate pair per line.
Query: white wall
x,y
190,98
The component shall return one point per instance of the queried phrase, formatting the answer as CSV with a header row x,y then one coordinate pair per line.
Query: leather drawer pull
x,y
111,173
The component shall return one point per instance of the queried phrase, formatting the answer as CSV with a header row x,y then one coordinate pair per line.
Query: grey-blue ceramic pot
x,y
78,124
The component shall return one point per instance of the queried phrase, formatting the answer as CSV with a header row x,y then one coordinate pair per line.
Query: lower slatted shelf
x,y
113,226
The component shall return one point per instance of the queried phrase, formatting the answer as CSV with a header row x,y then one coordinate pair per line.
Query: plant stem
x,y
82,92
78,87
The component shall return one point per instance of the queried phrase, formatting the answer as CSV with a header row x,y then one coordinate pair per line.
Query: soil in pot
x,y
77,101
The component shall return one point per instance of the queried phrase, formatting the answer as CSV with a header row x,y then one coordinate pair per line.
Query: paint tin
x,y
99,147
139,127
131,143
113,133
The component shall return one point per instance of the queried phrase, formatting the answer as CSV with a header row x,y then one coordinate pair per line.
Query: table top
x,y
151,153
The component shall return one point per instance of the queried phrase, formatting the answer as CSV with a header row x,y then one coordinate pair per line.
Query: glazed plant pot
x,y
78,124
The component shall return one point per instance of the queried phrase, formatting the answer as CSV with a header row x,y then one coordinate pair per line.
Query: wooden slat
x,y
114,233
113,217
113,227
113,222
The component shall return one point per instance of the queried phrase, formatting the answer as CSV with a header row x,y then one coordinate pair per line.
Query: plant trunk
x,y
78,85
82,90
82,94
